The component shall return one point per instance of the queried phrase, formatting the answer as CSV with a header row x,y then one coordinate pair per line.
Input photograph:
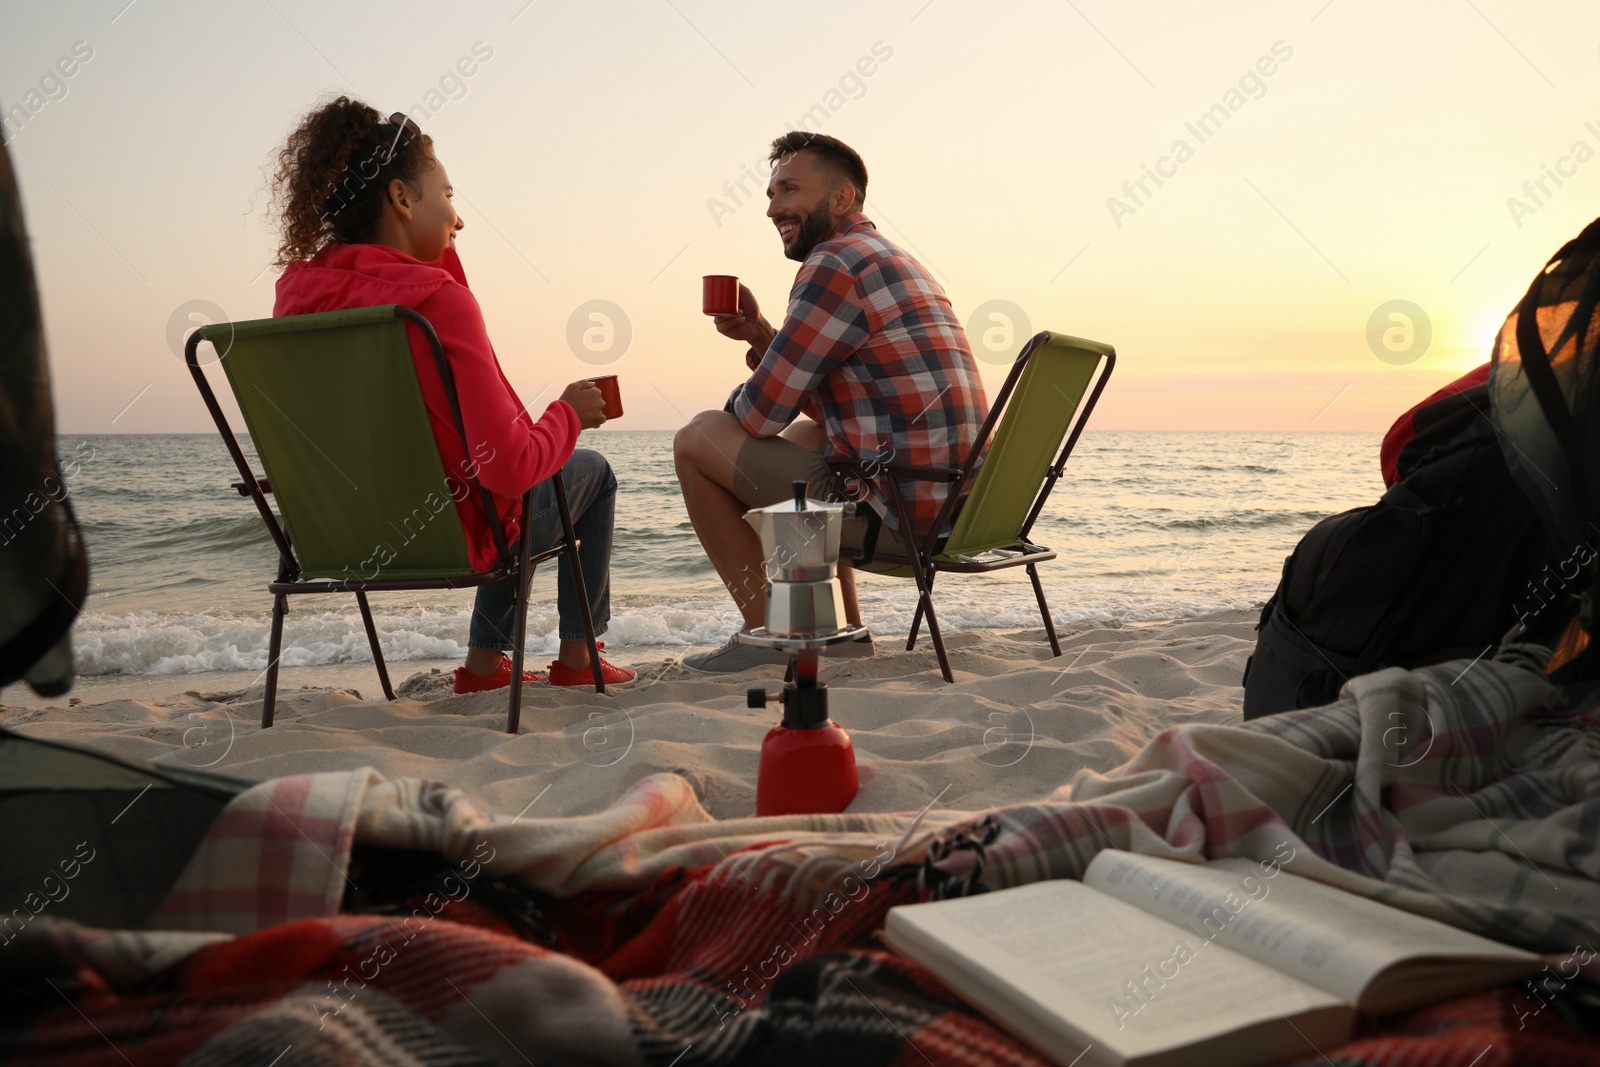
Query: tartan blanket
x,y
345,918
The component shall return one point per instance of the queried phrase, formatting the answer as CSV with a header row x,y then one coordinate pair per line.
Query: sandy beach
x,y
1015,726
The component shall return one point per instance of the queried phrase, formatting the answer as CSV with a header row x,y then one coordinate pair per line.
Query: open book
x,y
1150,961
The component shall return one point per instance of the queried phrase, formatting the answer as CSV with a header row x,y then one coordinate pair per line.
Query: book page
x,y
1328,937
1121,978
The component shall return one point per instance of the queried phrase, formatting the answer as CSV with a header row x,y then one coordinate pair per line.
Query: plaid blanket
x,y
345,918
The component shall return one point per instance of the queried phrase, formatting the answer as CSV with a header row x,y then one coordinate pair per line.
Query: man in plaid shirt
x,y
869,349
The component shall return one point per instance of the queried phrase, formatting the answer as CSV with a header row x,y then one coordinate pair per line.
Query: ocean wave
x,y
1243,518
159,535
1229,468
157,643
1148,526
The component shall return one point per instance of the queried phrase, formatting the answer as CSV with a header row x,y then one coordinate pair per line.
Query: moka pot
x,y
808,764
800,543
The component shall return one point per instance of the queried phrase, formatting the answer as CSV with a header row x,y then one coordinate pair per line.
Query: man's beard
x,y
814,229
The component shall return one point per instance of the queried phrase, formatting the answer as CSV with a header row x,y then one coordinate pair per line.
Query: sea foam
x,y
183,643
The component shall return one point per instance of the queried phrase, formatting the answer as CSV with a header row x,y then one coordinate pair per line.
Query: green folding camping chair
x,y
336,415
1047,398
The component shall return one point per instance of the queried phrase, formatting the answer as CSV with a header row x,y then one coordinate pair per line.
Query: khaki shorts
x,y
765,471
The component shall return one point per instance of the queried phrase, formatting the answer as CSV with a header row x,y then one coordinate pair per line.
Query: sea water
x,y
1147,525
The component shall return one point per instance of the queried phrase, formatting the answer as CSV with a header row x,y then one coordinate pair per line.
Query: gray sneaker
x,y
731,657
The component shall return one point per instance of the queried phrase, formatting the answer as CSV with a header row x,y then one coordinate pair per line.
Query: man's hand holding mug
x,y
734,310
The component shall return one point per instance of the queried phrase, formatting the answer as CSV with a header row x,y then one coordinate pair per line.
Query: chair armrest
x,y
244,490
925,474
869,468
869,542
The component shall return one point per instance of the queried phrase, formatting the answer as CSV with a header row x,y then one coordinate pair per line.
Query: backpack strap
x,y
1547,390
1542,379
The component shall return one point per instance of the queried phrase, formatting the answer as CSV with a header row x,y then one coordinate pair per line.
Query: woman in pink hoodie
x,y
367,219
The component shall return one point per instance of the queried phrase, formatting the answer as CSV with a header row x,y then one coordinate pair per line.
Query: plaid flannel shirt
x,y
871,349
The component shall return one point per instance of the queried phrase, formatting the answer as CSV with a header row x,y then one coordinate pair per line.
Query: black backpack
x,y
1441,567
1545,392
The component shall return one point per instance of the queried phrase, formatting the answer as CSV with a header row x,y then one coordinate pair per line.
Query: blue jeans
x,y
592,498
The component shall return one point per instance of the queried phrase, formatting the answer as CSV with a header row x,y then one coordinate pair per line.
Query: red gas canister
x,y
806,771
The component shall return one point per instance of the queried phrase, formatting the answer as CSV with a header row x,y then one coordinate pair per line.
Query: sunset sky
x,y
1357,152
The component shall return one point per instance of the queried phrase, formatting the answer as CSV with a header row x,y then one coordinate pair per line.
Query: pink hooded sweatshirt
x,y
512,453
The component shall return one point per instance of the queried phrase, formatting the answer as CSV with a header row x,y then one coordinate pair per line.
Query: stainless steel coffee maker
x,y
808,764
800,542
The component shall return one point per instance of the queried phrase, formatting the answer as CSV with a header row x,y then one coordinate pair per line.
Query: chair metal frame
x,y
923,559
516,568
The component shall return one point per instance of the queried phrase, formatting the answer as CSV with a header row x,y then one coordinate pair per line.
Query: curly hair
x,y
334,173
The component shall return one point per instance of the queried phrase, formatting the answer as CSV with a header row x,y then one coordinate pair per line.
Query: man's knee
x,y
697,438
806,433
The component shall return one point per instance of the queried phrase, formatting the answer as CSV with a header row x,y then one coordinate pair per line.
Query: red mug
x,y
720,294
607,384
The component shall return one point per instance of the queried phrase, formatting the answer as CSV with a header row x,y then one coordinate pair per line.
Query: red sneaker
x,y
561,674
468,682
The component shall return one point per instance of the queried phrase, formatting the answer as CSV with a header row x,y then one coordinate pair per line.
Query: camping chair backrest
x,y
1041,401
336,415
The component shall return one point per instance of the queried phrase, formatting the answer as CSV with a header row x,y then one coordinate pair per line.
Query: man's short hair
x,y
833,153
